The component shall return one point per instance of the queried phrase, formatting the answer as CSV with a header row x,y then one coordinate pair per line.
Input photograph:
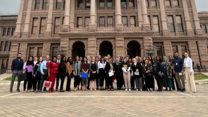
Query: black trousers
x,y
110,82
106,80
132,82
119,81
149,81
76,81
68,84
62,82
157,77
101,76
57,81
28,83
36,82
43,78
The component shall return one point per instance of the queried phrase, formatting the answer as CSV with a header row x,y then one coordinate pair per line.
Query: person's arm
x,y
97,68
191,67
41,68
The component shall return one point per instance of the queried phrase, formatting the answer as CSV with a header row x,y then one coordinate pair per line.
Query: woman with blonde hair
x,y
93,73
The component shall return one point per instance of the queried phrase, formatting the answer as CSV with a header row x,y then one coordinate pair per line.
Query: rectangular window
x,y
102,3
159,51
8,31
80,4
87,3
110,21
171,23
62,20
35,25
45,4
87,21
156,24
204,28
102,21
175,49
123,3
149,20
109,3
147,3
2,45
179,23
132,21
125,21
64,4
79,22
175,3
153,3
31,51
42,25
13,30
39,53
3,63
131,3
167,3
58,4
6,46
57,24
54,52
37,4
4,31
10,45
183,50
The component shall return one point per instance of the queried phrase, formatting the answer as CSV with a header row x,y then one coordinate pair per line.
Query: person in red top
x,y
52,71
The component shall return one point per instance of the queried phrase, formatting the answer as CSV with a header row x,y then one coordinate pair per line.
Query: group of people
x,y
103,72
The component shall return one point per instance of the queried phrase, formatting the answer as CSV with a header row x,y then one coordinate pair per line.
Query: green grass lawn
x,y
10,78
200,77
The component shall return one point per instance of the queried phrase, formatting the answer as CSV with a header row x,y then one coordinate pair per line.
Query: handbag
x,y
47,84
22,77
84,75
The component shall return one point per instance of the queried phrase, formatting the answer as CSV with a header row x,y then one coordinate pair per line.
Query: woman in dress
x,y
118,73
69,74
63,69
148,76
189,73
101,67
109,68
29,81
85,69
167,70
37,75
126,75
53,67
93,73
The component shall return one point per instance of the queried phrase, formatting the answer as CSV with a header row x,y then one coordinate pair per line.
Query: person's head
x,y
30,58
158,58
19,55
77,58
99,57
136,57
134,60
164,58
93,59
70,59
176,54
96,59
144,58
54,59
155,60
146,61
85,59
117,60
102,59
63,59
40,59
35,58
109,56
47,57
110,61
124,60
139,59
127,58
121,58
58,56
80,58
186,54
130,60
170,58
149,58
88,58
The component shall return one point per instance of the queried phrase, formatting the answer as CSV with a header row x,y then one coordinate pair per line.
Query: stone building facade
x,y
101,27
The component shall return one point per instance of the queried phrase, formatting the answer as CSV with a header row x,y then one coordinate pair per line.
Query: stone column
x,y
13,54
25,33
198,29
165,30
147,41
119,42
17,32
167,48
50,19
203,52
146,25
189,29
23,50
91,47
119,25
92,25
193,52
65,43
72,13
66,27
139,13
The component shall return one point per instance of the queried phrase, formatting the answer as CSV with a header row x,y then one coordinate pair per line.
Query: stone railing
x,y
132,29
79,30
105,29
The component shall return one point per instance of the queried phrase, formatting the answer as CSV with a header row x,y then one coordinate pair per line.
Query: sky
x,y
8,7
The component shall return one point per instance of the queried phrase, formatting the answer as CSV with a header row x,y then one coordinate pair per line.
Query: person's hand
x,y
182,71
126,72
174,71
113,71
143,76
170,74
190,73
159,73
43,74
109,70
34,75
74,73
31,67
48,74
26,67
56,68
147,71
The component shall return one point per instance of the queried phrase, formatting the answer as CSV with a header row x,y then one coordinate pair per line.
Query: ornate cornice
x,y
35,39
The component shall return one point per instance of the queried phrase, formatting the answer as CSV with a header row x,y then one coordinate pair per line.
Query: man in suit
x,y
57,76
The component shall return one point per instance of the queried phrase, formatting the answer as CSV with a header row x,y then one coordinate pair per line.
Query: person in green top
x,y
167,70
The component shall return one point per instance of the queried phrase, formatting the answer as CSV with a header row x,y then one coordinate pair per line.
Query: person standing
x,y
189,72
101,67
44,73
37,76
93,73
58,77
126,75
132,75
34,79
69,74
173,75
63,70
149,81
178,68
98,78
80,59
118,73
53,68
109,68
28,83
137,74
17,66
88,62
85,70
157,68
77,69
167,70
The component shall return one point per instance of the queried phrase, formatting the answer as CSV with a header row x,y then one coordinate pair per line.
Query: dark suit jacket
x,y
139,67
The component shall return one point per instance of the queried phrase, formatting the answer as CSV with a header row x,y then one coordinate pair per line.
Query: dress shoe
x,y
11,91
18,90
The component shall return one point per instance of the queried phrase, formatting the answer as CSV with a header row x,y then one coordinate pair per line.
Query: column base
x,y
146,27
190,32
17,35
92,28
199,32
66,28
119,27
25,35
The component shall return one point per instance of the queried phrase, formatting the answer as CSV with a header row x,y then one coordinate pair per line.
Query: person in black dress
x,y
62,71
93,73
69,76
109,68
118,73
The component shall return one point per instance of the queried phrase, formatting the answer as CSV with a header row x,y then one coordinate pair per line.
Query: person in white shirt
x,y
189,73
101,67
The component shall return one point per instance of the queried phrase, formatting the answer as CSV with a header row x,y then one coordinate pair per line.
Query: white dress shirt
x,y
101,65
58,61
188,63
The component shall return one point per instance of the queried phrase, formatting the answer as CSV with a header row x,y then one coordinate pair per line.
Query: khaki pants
x,y
127,80
190,80
180,80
